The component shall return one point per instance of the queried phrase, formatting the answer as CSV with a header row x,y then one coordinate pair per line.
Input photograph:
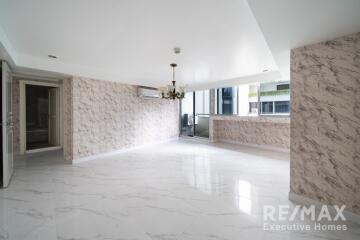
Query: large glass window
x,y
266,107
254,99
227,101
253,107
275,98
245,103
282,107
202,102
270,98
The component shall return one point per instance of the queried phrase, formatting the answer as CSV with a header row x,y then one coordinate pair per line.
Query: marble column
x,y
325,122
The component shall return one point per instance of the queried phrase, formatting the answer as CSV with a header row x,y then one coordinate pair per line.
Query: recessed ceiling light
x,y
52,56
177,50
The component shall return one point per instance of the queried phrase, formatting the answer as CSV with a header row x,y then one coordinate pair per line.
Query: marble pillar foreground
x,y
325,122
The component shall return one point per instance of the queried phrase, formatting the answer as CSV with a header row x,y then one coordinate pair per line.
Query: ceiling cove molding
x,y
6,48
256,78
290,24
36,78
58,67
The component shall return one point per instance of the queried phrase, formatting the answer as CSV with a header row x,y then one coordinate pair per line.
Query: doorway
x,y
40,114
195,114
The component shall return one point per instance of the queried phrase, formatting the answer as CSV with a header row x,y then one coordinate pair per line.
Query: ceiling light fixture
x,y
177,50
171,91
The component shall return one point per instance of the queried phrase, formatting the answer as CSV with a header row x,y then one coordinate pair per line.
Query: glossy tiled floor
x,y
177,190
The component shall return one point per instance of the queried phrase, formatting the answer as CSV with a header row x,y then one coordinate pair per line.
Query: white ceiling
x,y
287,24
131,41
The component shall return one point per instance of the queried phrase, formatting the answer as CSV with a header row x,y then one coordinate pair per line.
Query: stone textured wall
x,y
266,131
68,119
212,101
325,122
104,116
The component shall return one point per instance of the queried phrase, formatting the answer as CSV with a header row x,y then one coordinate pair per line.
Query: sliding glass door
x,y
195,110
187,115
202,111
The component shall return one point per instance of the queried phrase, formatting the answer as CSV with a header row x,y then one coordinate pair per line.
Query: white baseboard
x,y
353,217
265,147
111,153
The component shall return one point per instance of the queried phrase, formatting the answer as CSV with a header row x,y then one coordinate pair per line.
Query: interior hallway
x,y
177,190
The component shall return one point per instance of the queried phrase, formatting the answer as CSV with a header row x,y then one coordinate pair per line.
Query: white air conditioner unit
x,y
146,92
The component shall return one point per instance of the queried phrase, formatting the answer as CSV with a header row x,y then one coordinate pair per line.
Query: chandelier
x,y
171,91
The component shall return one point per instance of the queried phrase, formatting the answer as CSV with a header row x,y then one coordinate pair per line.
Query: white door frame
x,y
7,125
22,116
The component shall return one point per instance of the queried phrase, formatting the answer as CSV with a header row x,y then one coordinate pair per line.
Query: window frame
x,y
233,101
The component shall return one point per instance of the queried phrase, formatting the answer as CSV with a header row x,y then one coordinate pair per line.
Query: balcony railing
x,y
271,93
253,94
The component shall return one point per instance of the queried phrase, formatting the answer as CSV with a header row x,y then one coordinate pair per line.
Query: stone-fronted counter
x,y
264,131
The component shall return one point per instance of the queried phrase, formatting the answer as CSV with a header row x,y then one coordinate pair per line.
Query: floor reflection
x,y
246,197
201,175
177,190
243,193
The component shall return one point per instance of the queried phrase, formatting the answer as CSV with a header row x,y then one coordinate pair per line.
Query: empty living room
x,y
180,120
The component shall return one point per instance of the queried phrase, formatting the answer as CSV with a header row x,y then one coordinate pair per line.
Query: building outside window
x,y
264,99
282,107
283,86
274,98
227,100
267,108
253,107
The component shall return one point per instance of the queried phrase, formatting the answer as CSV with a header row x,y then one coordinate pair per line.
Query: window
x,y
253,107
267,108
282,107
250,99
227,103
202,102
275,98
227,100
283,87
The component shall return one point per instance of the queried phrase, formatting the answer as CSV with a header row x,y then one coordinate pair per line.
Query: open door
x,y
7,125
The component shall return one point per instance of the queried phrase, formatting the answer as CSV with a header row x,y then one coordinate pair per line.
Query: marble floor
x,y
176,190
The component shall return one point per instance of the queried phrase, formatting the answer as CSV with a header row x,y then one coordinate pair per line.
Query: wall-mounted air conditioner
x,y
146,92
